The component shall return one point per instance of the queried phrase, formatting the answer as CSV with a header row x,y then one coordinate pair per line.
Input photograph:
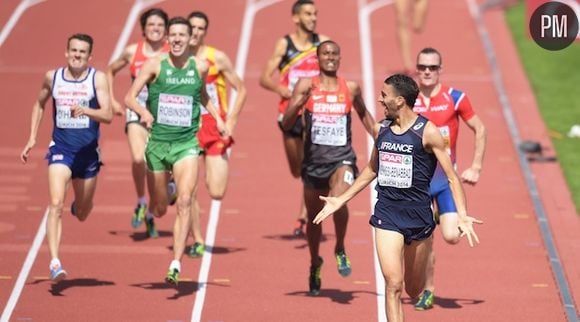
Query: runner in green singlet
x,y
176,90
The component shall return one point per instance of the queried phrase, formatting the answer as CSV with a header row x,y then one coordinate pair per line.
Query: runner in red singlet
x,y
154,42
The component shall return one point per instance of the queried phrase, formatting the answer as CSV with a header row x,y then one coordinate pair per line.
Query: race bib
x,y
175,110
212,92
142,96
65,120
446,134
395,170
329,129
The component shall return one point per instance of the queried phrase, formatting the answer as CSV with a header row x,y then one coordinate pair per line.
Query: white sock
x,y
54,263
149,215
175,264
142,201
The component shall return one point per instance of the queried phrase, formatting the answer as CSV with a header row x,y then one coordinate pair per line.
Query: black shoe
x,y
314,280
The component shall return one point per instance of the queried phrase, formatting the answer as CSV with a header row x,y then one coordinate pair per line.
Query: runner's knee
x,y
216,193
183,201
82,211
56,207
394,286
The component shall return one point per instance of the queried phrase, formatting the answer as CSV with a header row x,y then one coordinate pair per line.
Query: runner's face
x,y
428,69
179,39
329,57
389,100
154,29
77,54
306,18
198,31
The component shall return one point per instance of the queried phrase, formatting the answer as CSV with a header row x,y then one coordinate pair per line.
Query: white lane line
x,y
23,6
252,8
28,262
129,24
364,12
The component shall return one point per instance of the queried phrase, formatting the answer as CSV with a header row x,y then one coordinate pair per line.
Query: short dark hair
x,y
298,5
430,50
326,42
153,12
404,86
82,37
201,15
179,21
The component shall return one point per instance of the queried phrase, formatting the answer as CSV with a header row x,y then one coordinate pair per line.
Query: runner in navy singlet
x,y
80,96
403,160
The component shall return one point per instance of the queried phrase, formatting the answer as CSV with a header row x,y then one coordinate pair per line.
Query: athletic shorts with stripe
x,y
84,164
162,155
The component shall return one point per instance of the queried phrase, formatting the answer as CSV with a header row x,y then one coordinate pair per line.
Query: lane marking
x,y
540,212
252,8
364,12
129,25
28,262
22,7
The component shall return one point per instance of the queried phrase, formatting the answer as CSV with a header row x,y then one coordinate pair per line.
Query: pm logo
x,y
554,24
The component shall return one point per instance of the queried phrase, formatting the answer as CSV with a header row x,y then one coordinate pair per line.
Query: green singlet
x,y
174,100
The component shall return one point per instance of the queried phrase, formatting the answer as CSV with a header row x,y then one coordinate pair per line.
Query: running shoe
x,y
172,276
299,230
314,279
425,301
57,274
138,215
343,264
196,250
151,230
172,192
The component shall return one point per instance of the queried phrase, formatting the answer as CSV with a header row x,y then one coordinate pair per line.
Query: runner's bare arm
x,y
113,68
266,80
299,97
471,174
37,114
433,141
147,74
359,105
332,204
226,67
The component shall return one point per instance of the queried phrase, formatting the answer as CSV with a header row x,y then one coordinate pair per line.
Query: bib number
x,y
329,130
395,170
175,110
65,120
